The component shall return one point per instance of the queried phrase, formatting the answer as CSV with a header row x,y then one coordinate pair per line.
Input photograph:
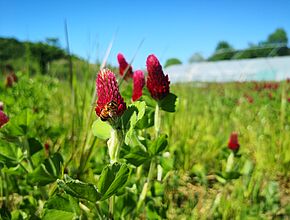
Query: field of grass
x,y
49,138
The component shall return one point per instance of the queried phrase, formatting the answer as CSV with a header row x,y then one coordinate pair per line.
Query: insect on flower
x,y
110,104
109,111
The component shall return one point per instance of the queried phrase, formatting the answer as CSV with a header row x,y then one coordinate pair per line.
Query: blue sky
x,y
170,28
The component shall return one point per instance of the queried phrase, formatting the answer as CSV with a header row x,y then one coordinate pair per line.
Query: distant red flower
x,y
110,103
46,146
9,81
138,84
123,66
233,143
11,78
288,99
157,82
3,119
1,106
249,98
270,95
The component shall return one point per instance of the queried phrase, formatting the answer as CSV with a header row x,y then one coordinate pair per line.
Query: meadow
x,y
56,162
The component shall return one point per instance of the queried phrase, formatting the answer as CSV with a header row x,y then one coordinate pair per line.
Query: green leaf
x,y
10,154
137,156
169,103
141,106
148,119
47,172
126,117
101,129
158,145
133,114
79,189
58,215
113,178
137,115
34,145
64,205
148,99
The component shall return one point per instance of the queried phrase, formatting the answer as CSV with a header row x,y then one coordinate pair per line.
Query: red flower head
x,y
110,103
270,95
9,80
123,66
157,82
46,146
233,143
138,84
3,119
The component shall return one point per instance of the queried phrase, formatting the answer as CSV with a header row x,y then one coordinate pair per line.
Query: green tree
x,y
45,53
279,36
172,61
53,41
196,58
223,46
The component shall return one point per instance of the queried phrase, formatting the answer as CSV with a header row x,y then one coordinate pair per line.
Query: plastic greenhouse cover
x,y
259,69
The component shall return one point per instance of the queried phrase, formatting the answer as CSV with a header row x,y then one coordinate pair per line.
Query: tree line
x,y
276,44
13,51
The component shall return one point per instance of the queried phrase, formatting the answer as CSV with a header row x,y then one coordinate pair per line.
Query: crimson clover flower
x,y
157,82
123,66
11,79
3,119
138,84
233,143
110,103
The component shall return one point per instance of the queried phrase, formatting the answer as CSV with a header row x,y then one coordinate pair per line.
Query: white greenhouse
x,y
259,69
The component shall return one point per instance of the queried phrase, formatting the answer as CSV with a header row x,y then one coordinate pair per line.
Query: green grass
x,y
199,131
196,185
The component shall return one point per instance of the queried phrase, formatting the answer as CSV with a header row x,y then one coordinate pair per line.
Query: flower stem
x,y
146,186
114,145
157,120
111,207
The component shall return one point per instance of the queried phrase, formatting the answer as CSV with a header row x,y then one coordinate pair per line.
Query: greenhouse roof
x,y
258,69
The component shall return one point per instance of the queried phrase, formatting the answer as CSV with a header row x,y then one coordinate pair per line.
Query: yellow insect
x,y
109,111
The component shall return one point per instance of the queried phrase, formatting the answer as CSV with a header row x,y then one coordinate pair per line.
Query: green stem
x,y
114,145
157,120
111,207
28,155
146,186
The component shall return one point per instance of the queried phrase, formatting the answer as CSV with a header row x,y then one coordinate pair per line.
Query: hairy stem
x,y
114,145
